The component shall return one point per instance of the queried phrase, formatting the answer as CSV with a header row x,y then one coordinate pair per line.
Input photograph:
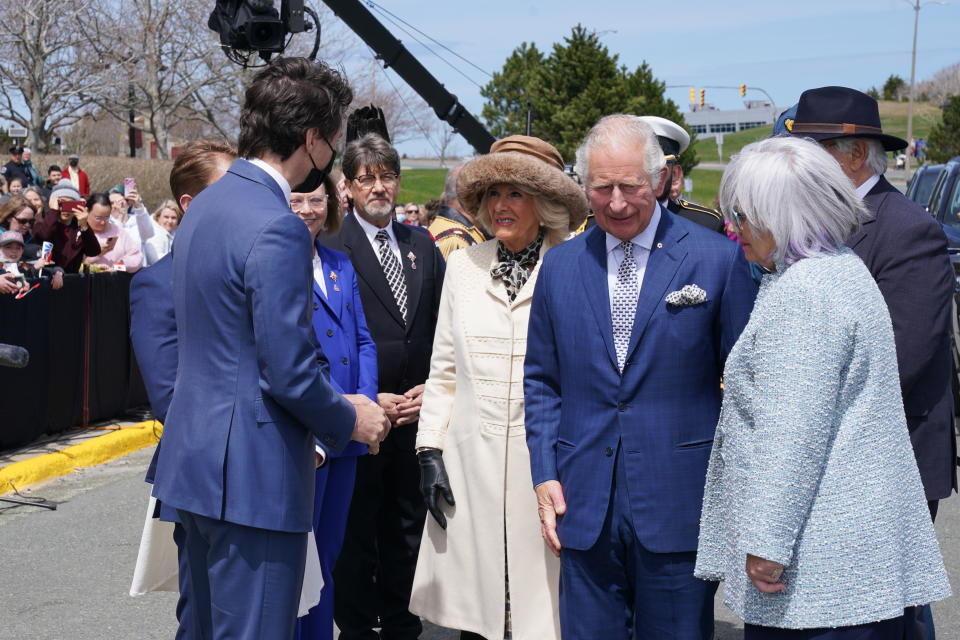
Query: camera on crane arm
x,y
249,27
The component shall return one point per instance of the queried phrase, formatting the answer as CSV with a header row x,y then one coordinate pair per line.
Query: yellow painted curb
x,y
89,453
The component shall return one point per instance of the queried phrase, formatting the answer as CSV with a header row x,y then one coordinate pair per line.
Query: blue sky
x,y
779,46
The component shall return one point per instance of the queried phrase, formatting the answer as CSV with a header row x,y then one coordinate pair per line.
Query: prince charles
x,y
630,327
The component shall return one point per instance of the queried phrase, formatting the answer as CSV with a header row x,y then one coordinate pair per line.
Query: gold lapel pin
x,y
333,276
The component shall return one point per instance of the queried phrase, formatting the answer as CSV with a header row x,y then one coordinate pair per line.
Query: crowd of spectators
x,y
57,225
96,232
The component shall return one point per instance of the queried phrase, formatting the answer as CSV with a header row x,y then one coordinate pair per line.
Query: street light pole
x,y
916,5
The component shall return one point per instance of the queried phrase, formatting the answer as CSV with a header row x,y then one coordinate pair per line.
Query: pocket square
x,y
690,295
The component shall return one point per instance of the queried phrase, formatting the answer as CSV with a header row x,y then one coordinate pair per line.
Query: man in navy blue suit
x,y
153,332
252,391
629,331
906,252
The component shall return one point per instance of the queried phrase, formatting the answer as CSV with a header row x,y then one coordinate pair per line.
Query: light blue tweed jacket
x,y
812,465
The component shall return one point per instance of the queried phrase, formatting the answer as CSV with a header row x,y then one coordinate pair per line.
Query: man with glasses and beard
x,y
400,274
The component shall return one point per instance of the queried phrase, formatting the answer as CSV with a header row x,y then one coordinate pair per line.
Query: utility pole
x,y
916,5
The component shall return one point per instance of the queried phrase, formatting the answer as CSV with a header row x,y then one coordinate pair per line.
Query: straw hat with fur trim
x,y
524,161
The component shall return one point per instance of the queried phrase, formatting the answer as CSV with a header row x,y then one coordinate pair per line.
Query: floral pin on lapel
x,y
688,296
333,276
413,260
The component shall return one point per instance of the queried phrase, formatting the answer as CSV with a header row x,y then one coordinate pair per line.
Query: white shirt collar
x,y
273,173
371,229
868,184
644,239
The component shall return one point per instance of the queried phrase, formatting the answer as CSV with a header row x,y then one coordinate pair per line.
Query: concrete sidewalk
x,y
62,453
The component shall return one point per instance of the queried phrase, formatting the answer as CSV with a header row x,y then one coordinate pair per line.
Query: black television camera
x,y
248,27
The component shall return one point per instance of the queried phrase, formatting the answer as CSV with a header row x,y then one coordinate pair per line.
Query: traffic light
x,y
703,94
693,95
743,90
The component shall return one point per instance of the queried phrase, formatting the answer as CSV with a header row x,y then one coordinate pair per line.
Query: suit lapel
x,y
593,277
662,266
367,265
412,272
333,300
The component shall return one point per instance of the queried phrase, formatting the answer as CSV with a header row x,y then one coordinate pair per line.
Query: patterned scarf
x,y
514,268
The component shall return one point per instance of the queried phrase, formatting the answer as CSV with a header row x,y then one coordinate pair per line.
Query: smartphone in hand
x,y
71,205
129,186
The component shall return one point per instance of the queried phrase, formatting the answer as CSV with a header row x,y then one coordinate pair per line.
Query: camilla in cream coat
x,y
483,566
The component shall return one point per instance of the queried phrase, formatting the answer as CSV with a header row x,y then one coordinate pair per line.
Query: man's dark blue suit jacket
x,y
252,388
906,252
662,410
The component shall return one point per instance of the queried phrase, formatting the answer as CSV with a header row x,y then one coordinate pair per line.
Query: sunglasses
x,y
25,221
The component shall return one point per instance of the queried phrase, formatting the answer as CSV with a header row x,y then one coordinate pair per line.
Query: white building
x,y
708,121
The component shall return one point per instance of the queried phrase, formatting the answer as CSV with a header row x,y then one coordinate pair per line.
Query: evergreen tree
x,y
506,108
892,87
569,90
943,142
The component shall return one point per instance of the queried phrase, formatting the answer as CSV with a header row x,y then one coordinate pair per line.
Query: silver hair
x,y
793,189
876,154
450,183
621,130
553,217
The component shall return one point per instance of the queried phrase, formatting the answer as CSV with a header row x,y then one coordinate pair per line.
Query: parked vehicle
x,y
920,188
943,204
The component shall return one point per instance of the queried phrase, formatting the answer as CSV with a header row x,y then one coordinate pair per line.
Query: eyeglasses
x,y
737,220
367,180
25,221
316,204
100,218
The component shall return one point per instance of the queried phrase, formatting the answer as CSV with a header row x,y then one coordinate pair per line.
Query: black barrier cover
x,y
48,395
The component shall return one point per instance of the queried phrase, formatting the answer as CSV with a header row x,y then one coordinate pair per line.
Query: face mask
x,y
315,178
74,162
401,217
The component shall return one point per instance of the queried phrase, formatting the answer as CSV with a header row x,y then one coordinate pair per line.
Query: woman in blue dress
x,y
342,332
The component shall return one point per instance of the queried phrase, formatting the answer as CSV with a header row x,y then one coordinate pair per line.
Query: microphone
x,y
13,356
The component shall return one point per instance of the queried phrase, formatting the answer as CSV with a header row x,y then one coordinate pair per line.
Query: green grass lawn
x,y
421,185
706,185
893,118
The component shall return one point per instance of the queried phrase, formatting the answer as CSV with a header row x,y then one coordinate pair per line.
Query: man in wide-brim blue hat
x,y
829,113
906,252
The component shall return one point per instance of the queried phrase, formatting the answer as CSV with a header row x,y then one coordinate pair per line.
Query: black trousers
x,y
374,574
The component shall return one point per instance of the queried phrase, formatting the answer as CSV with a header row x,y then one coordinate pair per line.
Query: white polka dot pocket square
x,y
689,296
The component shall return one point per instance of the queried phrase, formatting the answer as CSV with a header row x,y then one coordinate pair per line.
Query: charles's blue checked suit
x,y
341,329
252,394
631,450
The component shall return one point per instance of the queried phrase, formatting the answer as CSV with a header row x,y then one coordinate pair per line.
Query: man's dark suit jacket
x,y
906,252
403,353
153,333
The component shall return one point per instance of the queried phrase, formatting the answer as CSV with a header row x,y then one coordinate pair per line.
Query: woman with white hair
x,y
482,566
813,513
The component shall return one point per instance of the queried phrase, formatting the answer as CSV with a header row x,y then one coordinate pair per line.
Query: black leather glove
x,y
434,481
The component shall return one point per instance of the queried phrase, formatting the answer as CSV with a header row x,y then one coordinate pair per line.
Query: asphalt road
x,y
64,574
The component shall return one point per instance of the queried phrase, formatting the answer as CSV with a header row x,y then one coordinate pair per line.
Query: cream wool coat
x,y
473,410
